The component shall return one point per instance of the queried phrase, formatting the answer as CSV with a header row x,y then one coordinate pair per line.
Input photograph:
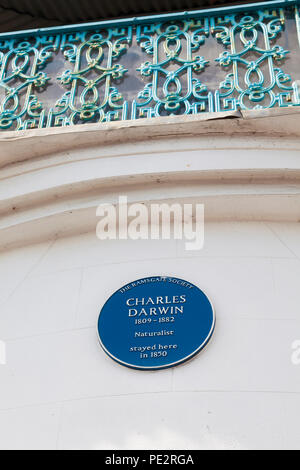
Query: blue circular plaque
x,y
155,323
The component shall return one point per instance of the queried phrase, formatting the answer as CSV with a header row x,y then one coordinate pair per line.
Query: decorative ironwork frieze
x,y
23,74
178,64
174,66
92,94
256,78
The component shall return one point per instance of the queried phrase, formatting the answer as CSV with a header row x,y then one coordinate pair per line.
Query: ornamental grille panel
x,y
174,64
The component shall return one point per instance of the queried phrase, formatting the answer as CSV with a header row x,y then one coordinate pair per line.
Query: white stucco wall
x,y
58,388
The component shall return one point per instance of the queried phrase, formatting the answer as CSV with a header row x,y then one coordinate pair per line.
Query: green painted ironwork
x,y
174,64
95,70
252,87
22,63
173,45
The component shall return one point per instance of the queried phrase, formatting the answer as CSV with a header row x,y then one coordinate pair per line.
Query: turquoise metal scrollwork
x,y
22,62
187,63
175,65
92,95
255,80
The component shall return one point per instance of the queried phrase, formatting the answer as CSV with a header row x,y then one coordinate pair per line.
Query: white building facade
x,y
59,390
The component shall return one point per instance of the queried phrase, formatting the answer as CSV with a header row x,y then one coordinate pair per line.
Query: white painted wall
x,y
59,390
58,387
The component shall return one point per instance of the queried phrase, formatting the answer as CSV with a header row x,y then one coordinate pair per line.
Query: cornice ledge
x,y
18,146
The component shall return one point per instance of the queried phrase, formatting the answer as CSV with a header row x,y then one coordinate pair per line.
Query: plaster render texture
x,y
58,388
